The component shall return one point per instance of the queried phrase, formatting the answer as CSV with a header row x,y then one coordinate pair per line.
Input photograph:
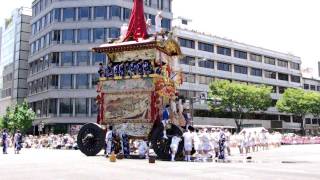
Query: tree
x,y
18,117
239,99
296,102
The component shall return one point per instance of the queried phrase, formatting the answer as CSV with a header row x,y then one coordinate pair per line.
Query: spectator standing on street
x,y
5,141
17,141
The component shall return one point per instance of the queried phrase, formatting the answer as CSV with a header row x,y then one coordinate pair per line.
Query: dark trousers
x,y
5,146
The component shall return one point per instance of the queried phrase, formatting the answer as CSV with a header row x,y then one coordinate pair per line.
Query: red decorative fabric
x,y
137,25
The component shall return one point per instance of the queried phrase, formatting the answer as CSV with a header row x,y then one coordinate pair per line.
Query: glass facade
x,y
224,51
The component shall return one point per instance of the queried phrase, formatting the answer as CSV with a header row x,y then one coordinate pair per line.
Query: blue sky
x,y
290,26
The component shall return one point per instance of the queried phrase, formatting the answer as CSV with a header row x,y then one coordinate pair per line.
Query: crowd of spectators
x,y
51,141
293,139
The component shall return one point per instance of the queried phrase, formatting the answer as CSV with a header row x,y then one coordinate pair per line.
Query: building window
x,y
256,72
306,86
115,12
68,36
114,33
294,65
66,81
308,121
82,81
205,79
269,60
240,54
99,58
240,69
206,64
295,79
82,106
84,35
83,58
314,121
282,63
188,60
84,13
285,118
255,57
66,107
94,106
166,24
100,12
318,88
99,35
53,107
205,47
126,13
312,87
95,79
56,36
224,66
57,15
67,58
282,89
186,43
54,59
53,82
190,78
69,14
283,77
270,74
224,51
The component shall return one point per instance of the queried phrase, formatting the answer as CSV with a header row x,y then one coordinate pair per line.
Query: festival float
x,y
134,86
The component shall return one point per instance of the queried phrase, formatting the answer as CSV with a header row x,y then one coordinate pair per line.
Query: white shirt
x,y
187,137
158,20
175,141
108,136
142,147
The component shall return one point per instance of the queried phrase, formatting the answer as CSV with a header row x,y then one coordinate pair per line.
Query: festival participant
x,y
215,141
147,67
108,141
243,142
187,137
165,120
264,140
17,140
101,70
256,141
116,71
174,146
197,145
122,72
248,142
227,141
132,69
5,141
109,71
143,149
206,145
139,67
222,139
158,20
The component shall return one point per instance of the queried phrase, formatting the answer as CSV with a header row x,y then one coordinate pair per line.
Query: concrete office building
x,y
14,58
208,58
62,69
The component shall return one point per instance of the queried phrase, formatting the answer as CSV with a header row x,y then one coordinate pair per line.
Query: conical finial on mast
x,y
137,26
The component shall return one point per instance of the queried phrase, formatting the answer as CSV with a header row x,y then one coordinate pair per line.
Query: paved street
x,y
287,162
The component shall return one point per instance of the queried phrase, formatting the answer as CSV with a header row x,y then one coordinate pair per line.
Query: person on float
x,y
101,71
147,67
116,71
188,138
143,149
165,119
174,146
109,71
122,72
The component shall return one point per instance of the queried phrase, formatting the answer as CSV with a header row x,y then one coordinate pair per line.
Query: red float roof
x,y
137,25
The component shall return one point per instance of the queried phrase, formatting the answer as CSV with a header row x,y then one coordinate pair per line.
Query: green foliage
x,y
299,102
239,99
18,117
